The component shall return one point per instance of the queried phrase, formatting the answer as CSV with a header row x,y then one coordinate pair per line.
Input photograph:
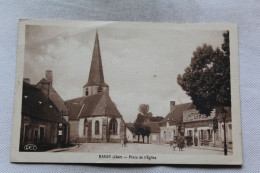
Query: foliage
x,y
140,128
156,119
144,110
145,131
207,79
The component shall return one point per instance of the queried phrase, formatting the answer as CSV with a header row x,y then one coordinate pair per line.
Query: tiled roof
x,y
96,76
155,128
130,126
93,105
35,104
176,115
53,95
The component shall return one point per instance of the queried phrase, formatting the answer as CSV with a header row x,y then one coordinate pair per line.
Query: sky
x,y
140,61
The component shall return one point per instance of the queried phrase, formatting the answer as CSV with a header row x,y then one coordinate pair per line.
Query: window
x,y
154,137
86,92
189,133
100,89
113,126
42,133
208,134
97,128
230,133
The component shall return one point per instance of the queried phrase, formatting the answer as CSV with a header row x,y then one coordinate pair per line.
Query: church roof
x,y
176,114
35,104
96,76
94,105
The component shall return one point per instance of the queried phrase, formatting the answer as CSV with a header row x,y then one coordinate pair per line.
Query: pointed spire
x,y
96,76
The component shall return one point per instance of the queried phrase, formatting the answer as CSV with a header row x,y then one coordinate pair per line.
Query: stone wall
x,y
74,133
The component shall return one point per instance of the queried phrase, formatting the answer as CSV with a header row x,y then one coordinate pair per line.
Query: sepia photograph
x,y
127,92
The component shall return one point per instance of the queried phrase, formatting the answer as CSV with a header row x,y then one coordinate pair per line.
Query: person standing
x,y
181,143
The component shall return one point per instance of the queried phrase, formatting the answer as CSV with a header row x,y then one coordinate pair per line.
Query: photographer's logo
x,y
30,147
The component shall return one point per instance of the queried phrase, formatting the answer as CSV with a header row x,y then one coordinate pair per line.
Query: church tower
x,y
96,83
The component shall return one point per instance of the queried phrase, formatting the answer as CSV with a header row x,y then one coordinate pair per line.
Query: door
x,y
35,140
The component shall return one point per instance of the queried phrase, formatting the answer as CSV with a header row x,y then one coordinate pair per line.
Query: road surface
x,y
137,148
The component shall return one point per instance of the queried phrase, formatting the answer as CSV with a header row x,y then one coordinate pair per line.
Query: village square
x,y
93,122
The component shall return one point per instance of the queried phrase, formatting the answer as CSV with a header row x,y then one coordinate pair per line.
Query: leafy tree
x,y
207,79
147,132
144,110
140,128
156,119
138,125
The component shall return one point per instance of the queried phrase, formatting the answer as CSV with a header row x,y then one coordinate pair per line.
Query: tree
x,y
156,119
138,125
147,132
140,128
207,79
144,110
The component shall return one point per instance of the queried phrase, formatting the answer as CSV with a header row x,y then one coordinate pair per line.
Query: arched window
x,y
86,92
100,89
97,128
113,126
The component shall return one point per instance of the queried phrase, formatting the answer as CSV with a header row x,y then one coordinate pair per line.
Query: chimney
x,y
49,76
26,80
172,104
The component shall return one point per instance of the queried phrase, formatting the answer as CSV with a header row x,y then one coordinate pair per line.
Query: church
x,y
94,117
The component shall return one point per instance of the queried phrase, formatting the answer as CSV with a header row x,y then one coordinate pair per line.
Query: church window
x,y
100,89
113,126
97,128
86,92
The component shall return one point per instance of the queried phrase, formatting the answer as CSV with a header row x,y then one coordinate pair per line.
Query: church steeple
x,y
96,82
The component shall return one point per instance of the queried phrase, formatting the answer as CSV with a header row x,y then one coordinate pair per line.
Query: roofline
x,y
26,114
162,121
110,116
81,110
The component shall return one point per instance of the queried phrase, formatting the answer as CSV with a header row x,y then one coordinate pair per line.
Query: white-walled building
x,y
170,124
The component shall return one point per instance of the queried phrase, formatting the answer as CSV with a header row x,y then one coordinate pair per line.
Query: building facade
x,y
130,134
199,127
41,122
154,137
207,130
171,124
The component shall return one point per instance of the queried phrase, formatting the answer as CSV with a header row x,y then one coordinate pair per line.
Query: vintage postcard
x,y
127,92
